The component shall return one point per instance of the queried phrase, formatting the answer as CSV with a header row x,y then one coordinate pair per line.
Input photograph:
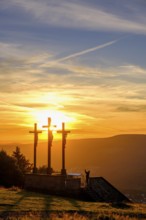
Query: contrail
x,y
87,50
83,52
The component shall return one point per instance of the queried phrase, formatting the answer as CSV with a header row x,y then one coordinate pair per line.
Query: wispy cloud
x,y
31,81
101,90
131,108
78,15
104,89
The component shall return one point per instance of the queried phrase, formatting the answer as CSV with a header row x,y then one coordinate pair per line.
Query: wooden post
x,y
64,136
35,132
50,139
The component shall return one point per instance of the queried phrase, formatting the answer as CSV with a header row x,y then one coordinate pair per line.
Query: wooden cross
x,y
64,136
35,132
50,139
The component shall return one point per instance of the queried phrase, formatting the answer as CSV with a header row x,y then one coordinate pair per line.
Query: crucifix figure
x,y
64,136
50,139
35,132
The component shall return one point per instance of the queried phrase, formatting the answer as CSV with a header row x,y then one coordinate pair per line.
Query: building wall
x,y
54,184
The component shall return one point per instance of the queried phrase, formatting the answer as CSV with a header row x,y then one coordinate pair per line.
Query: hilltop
x,y
121,159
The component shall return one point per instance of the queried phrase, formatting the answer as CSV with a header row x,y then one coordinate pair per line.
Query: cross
x,y
50,139
64,136
35,132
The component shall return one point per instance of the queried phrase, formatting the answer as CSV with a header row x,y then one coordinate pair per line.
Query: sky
x,y
77,61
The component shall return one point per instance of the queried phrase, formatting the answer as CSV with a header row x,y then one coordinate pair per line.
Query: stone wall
x,y
53,184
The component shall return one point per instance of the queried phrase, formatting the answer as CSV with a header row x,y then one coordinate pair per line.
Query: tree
x,y
42,169
10,174
13,168
24,165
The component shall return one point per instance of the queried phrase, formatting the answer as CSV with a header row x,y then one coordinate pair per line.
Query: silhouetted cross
x,y
35,132
50,139
64,136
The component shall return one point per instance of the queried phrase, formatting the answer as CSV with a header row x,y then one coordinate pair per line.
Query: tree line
x,y
13,168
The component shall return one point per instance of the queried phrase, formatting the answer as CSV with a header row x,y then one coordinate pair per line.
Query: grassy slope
x,y
20,202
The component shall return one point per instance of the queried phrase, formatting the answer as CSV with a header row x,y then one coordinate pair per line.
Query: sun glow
x,y
57,117
40,116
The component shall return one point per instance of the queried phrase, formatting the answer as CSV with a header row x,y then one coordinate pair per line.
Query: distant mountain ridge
x,y
121,159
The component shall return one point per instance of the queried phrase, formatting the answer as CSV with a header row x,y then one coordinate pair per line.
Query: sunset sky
x,y
78,61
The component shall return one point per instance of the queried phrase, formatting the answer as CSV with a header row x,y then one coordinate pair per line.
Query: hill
x,y
121,159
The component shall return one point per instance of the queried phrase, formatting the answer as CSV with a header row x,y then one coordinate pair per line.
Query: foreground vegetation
x,y
21,204
13,168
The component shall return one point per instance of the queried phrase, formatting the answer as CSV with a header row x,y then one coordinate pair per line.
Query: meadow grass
x,y
25,205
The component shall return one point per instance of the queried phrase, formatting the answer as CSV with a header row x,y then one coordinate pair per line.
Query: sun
x,y
57,117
